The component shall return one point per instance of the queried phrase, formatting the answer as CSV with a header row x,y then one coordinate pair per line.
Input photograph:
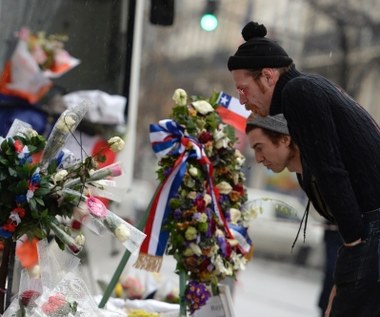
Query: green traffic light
x,y
209,22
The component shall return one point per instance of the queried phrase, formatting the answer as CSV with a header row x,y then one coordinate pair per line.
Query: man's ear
x,y
270,75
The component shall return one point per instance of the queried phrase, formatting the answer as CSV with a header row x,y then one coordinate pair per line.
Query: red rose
x,y
28,297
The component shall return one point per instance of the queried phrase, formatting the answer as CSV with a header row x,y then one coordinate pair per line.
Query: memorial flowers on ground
x,y
42,187
34,174
36,59
197,214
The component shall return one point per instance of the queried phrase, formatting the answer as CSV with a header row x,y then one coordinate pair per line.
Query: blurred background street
x,y
266,288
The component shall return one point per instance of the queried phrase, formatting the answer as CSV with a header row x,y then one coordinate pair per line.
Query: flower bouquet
x,y
197,214
36,58
43,187
58,291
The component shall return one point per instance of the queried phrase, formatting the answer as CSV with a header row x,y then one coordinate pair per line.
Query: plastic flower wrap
x,y
59,291
66,124
40,194
200,199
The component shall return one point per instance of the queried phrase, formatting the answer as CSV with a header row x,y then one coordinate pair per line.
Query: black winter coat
x,y
340,148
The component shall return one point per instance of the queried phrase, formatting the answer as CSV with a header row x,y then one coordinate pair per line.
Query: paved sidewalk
x,y
273,289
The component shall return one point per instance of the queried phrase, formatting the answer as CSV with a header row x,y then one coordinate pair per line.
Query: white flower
x,y
24,152
122,233
180,97
29,194
222,143
224,187
219,133
207,199
80,240
193,171
192,195
202,106
221,138
235,215
239,261
220,266
202,217
14,216
65,123
116,144
35,271
240,159
196,249
59,176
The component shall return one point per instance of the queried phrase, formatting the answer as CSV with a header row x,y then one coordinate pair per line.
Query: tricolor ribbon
x,y
240,234
168,138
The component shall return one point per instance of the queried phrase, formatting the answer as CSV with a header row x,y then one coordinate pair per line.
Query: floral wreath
x,y
205,221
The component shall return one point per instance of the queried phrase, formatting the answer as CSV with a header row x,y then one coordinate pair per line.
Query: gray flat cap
x,y
276,123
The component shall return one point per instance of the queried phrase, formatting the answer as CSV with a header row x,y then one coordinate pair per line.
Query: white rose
x,y
207,199
122,233
65,123
224,187
180,97
80,239
59,176
116,144
235,215
193,171
202,106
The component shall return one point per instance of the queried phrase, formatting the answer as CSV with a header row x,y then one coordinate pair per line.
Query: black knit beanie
x,y
258,51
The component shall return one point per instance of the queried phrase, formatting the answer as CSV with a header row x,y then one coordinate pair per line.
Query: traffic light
x,y
162,12
209,19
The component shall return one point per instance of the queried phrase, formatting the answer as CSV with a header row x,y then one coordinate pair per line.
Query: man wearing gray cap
x,y
269,138
339,144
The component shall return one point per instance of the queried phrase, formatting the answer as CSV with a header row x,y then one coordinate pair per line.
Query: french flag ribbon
x,y
168,138
241,235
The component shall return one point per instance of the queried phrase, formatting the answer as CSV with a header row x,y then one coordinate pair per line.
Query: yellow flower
x,y
118,290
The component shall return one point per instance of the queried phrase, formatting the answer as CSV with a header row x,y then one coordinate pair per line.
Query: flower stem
x,y
182,287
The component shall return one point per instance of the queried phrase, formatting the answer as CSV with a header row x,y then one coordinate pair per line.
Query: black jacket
x,y
339,144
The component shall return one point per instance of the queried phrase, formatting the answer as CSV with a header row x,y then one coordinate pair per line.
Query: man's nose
x,y
242,99
259,158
